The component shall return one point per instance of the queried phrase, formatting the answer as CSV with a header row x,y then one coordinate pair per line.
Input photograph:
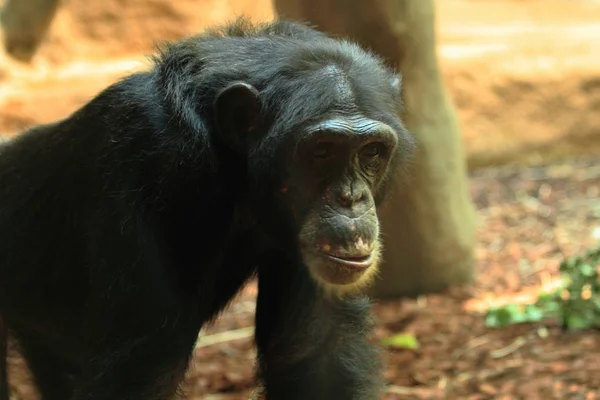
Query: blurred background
x,y
504,96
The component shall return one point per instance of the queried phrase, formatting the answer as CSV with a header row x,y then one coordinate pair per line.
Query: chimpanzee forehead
x,y
346,90
321,84
341,86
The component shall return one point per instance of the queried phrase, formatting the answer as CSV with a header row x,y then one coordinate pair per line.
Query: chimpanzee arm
x,y
312,346
148,367
141,324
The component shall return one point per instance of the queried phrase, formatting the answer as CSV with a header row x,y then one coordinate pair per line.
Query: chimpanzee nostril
x,y
348,199
345,199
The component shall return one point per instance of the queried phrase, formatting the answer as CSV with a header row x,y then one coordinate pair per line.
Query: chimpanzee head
x,y
320,129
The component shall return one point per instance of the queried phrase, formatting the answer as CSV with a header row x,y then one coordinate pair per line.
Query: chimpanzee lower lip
x,y
360,262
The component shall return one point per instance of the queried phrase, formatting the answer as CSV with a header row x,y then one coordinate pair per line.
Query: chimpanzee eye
x,y
371,150
322,150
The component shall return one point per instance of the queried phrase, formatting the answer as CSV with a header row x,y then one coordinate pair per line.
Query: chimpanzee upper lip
x,y
359,261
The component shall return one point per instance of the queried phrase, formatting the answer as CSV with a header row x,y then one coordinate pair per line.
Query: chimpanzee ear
x,y
237,114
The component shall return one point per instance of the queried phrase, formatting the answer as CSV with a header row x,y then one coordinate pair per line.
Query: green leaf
x,y
575,321
570,264
588,270
546,296
534,313
492,320
401,340
503,316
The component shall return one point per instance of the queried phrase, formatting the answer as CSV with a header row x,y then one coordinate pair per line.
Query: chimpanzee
x,y
247,150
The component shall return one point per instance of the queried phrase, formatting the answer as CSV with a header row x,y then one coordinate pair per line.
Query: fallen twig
x,y
472,344
489,373
511,348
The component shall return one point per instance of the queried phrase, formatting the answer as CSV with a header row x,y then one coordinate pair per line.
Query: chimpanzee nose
x,y
348,199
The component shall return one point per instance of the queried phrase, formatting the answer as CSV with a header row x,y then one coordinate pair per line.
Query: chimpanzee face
x,y
339,165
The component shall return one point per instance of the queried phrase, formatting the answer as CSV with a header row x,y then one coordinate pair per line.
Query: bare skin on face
x,y
340,240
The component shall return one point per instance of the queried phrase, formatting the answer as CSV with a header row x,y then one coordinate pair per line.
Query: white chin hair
x,y
338,280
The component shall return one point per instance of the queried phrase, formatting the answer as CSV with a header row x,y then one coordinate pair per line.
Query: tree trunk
x,y
24,24
428,224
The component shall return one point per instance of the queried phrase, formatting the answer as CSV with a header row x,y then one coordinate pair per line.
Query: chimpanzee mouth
x,y
355,262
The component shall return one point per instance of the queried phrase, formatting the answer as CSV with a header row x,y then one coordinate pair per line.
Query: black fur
x,y
127,226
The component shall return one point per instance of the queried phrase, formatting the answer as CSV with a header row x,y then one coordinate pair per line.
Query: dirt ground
x,y
522,73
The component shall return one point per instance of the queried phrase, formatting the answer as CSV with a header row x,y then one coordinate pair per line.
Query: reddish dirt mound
x,y
525,76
